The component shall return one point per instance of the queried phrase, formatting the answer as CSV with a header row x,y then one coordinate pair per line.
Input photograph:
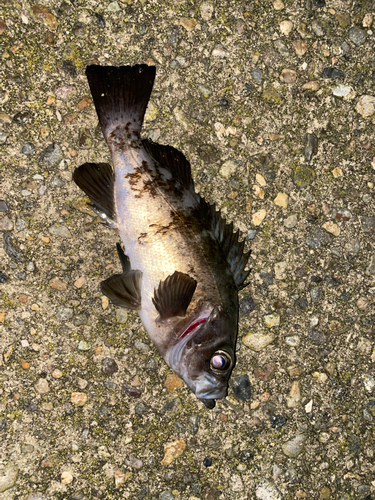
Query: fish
x,y
183,264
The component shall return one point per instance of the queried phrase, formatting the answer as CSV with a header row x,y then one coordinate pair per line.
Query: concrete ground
x,y
273,104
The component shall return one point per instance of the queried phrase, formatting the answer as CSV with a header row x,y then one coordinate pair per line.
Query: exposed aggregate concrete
x,y
273,104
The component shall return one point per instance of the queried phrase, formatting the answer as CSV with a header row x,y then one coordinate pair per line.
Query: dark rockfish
x,y
183,265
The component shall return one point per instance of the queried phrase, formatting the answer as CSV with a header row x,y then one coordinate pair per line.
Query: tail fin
x,y
120,94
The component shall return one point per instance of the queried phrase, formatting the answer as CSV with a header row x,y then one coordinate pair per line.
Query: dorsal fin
x,y
97,180
228,241
173,295
171,159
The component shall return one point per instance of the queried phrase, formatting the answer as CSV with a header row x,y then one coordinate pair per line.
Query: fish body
x,y
183,265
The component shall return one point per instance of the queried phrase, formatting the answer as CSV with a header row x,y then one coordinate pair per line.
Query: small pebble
x,y
332,72
173,382
59,231
80,282
58,283
281,200
132,391
293,341
109,366
242,388
57,373
300,47
84,346
42,386
288,75
291,221
257,75
228,168
258,341
172,451
258,217
207,10
78,398
294,447
332,228
64,313
266,490
271,320
277,421
66,477
294,397
207,462
366,105
357,35
286,27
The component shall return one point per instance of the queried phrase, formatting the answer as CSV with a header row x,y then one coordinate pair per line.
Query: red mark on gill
x,y
192,327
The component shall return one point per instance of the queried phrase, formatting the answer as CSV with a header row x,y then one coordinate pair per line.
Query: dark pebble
x,y
368,223
143,492
316,337
316,279
108,384
247,305
195,488
151,365
142,29
99,20
211,493
69,68
3,277
141,408
340,393
132,391
356,35
3,206
84,139
56,182
10,249
109,366
79,29
80,320
344,297
242,388
333,73
317,238
319,4
68,409
31,406
28,149
194,424
257,75
248,89
246,455
332,281
267,278
315,293
311,146
22,117
207,462
223,103
52,154
302,303
174,35
277,421
3,424
170,406
103,412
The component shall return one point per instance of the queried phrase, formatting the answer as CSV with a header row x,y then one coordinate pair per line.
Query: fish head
x,y
204,354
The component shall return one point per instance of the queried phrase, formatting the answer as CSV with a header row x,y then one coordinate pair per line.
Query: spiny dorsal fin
x,y
228,241
97,181
173,295
172,159
124,289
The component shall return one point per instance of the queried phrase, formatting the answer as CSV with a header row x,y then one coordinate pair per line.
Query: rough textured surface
x,y
248,91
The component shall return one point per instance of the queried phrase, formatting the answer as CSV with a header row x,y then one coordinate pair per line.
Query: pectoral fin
x,y
173,295
124,289
97,181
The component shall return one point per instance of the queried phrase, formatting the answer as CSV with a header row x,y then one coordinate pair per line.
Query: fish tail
x,y
120,95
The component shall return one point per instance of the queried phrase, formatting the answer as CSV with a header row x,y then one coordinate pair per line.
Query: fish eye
x,y
220,362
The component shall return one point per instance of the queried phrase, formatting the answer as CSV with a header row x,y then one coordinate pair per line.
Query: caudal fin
x,y
120,94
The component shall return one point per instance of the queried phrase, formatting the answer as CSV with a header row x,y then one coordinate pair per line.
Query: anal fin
x,y
173,295
124,289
